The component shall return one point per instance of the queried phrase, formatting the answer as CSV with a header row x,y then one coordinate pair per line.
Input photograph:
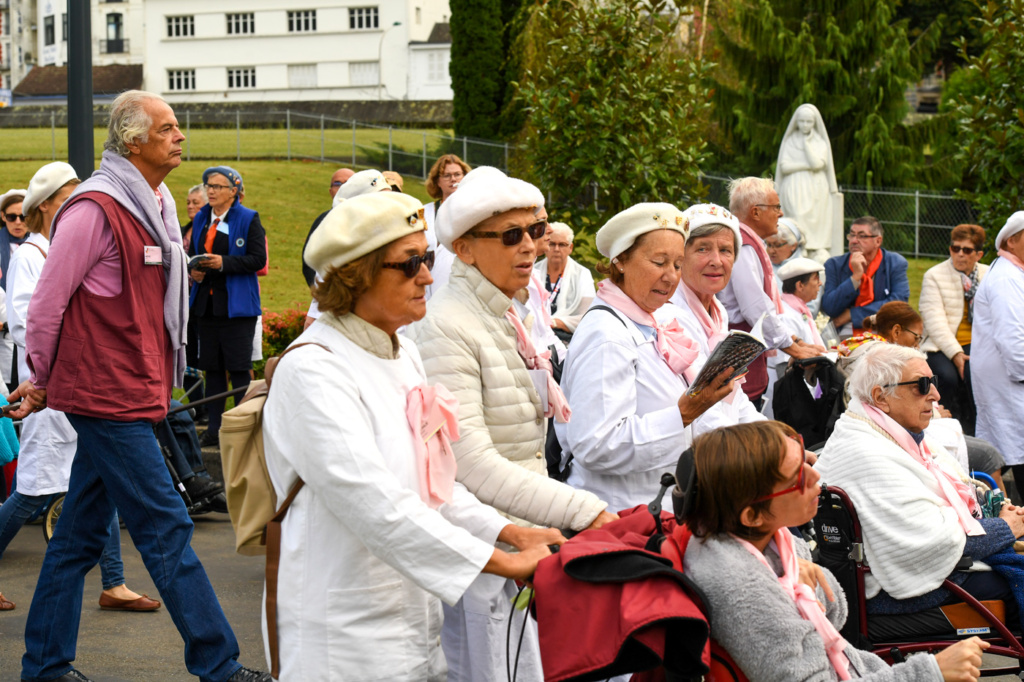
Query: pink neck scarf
x,y
804,598
771,289
956,493
558,406
798,304
433,415
1003,253
675,345
714,323
543,295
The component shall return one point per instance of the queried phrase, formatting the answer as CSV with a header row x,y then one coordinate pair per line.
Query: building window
x,y
363,18
181,79
302,21
419,16
115,42
49,37
302,75
64,27
437,67
239,24
363,73
242,78
181,27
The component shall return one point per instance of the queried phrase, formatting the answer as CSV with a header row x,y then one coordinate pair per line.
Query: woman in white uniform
x,y
475,343
627,375
380,533
48,442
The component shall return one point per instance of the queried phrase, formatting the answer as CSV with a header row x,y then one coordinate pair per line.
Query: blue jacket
x,y
242,288
891,284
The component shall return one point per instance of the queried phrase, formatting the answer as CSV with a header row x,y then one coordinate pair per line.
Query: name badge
x,y
151,255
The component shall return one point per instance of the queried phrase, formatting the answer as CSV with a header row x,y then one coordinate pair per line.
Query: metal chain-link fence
x,y
917,223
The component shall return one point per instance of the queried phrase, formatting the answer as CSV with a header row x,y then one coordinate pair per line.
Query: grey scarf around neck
x,y
122,181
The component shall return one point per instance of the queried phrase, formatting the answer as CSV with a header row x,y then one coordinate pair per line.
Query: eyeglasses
x,y
14,217
559,245
917,337
922,384
860,236
453,176
800,478
515,235
775,245
217,187
966,249
337,183
410,268
777,207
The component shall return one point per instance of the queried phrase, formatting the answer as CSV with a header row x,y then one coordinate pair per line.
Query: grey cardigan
x,y
760,627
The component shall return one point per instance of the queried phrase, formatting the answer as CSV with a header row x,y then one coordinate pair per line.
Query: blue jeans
x,y
119,464
18,509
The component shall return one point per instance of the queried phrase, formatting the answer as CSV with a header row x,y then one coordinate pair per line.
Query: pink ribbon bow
x,y
433,415
558,406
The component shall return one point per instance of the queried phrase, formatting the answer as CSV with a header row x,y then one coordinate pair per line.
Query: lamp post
x,y
380,56
80,140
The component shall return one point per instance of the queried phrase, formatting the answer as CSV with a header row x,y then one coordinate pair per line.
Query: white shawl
x,y
912,537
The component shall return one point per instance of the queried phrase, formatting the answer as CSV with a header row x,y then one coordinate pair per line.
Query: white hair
x,y
790,233
199,189
564,230
882,366
129,121
709,229
744,193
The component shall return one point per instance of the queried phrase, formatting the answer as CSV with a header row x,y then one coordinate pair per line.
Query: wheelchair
x,y
891,637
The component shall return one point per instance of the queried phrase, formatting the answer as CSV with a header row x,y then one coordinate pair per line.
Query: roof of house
x,y
441,34
106,80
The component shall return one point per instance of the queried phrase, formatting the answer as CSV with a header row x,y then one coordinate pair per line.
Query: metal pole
x,y
506,157
424,156
288,126
390,149
53,135
321,138
917,223
238,135
188,135
81,151
465,150
353,143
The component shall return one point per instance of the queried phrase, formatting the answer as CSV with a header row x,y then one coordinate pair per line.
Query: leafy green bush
x,y
279,330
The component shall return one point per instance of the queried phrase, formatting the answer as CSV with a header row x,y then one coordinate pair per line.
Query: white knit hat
x,y
359,226
45,182
484,192
625,227
1014,224
799,267
363,182
700,215
14,192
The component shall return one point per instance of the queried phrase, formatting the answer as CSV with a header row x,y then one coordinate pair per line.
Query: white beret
x,y
13,192
1014,224
363,182
625,227
700,215
45,182
799,267
359,226
483,193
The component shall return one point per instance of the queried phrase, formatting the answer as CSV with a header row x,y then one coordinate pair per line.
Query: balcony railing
x,y
114,46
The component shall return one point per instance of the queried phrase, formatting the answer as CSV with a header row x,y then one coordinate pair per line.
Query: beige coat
x,y
942,307
468,346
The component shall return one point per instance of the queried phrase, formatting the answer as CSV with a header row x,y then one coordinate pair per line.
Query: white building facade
x,y
17,40
117,32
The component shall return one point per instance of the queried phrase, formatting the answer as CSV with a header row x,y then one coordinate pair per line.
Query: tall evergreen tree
x,y
476,67
847,57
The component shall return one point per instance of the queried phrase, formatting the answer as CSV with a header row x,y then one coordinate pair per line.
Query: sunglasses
x,y
515,235
922,384
800,478
410,268
966,249
14,217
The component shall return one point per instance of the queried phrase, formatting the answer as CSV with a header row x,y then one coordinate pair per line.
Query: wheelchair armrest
x,y
964,564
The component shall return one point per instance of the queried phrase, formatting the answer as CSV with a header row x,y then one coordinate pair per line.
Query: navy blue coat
x,y
891,284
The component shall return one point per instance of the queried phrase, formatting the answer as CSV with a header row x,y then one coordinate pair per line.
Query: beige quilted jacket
x,y
468,346
942,307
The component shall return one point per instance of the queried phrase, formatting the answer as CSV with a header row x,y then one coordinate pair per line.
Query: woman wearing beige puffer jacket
x,y
473,340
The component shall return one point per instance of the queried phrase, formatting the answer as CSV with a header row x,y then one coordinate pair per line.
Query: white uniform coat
x,y
48,441
997,359
365,562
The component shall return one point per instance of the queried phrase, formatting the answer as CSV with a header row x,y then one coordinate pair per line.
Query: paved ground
x,y
122,647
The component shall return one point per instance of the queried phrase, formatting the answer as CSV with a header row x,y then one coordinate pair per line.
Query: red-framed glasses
x,y
800,478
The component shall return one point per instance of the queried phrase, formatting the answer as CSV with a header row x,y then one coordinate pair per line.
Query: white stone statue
x,y
805,177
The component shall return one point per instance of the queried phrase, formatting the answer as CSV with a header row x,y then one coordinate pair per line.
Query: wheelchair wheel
x,y
52,514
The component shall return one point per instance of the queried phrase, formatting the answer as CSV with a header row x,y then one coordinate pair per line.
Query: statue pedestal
x,y
838,223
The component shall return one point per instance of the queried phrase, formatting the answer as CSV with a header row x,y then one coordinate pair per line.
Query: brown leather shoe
x,y
4,604
143,603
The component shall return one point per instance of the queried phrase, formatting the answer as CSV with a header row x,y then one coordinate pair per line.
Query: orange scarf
x,y
867,282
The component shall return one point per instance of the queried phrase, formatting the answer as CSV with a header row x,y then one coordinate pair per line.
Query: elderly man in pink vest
x,y
106,344
751,292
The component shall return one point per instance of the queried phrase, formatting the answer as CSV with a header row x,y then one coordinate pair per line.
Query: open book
x,y
737,350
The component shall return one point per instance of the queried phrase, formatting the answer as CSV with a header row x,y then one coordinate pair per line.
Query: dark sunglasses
x,y
923,384
14,217
800,478
966,249
410,268
515,235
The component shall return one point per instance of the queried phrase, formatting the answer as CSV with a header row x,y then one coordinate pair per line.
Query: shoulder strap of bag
x,y
37,246
272,531
608,310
